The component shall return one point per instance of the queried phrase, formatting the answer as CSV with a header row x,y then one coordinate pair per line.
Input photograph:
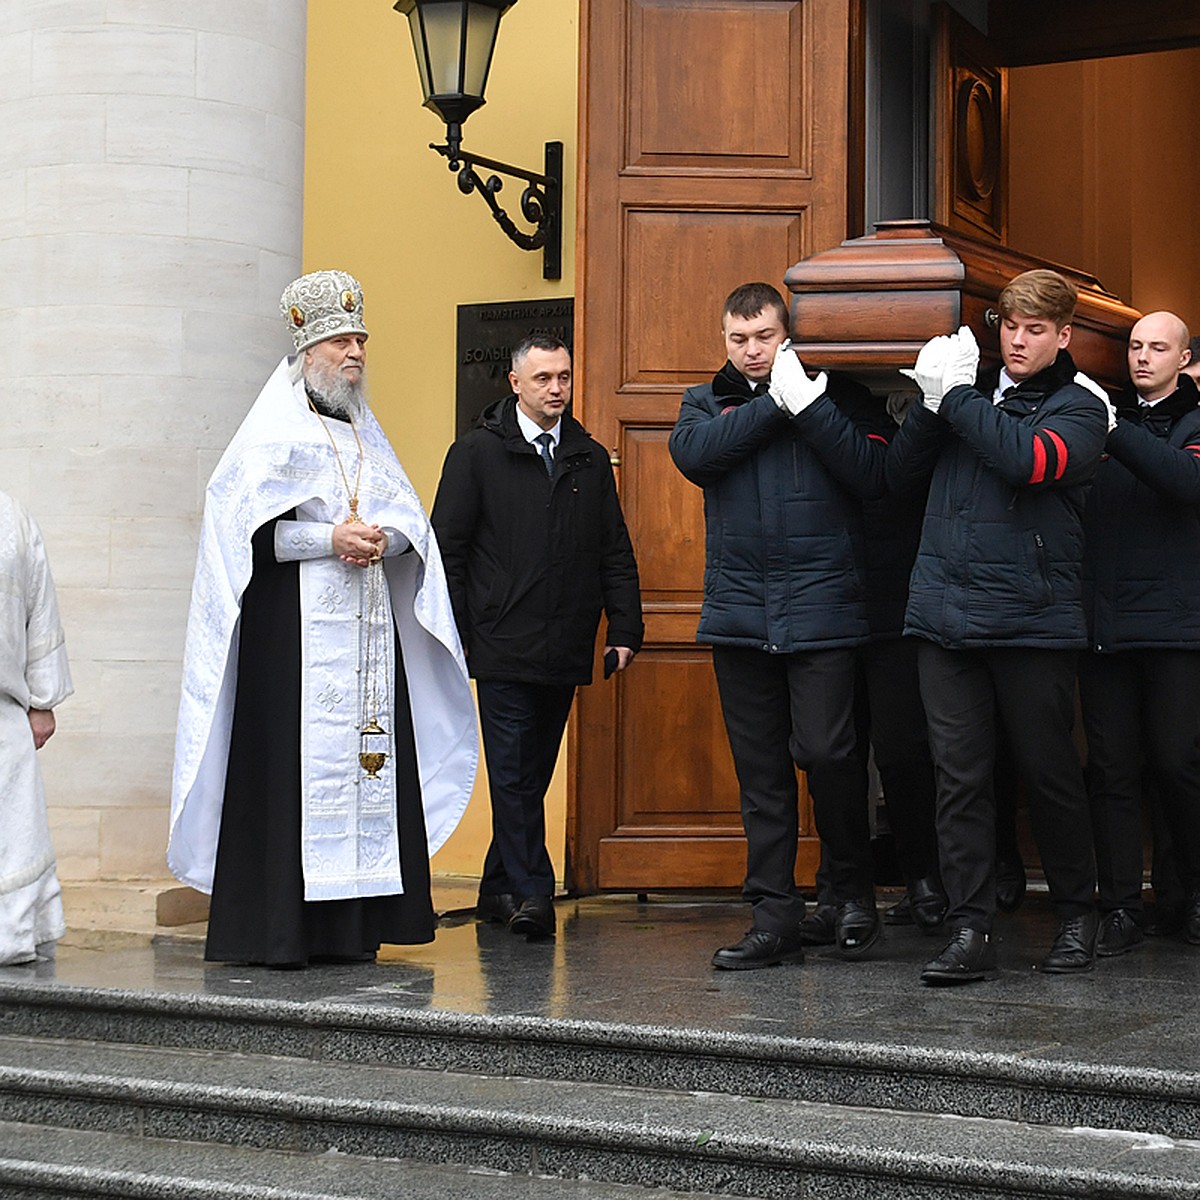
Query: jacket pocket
x,y
1038,582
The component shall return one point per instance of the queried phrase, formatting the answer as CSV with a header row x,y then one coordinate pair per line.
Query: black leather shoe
x,y
758,949
928,905
818,928
534,918
1010,885
1164,920
1119,933
1191,919
857,927
1074,947
969,956
899,913
499,907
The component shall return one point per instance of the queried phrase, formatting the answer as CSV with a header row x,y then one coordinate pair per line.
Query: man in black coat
x,y
783,469
996,598
535,546
1140,685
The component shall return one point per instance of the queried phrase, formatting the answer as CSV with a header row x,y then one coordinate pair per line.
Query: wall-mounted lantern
x,y
453,41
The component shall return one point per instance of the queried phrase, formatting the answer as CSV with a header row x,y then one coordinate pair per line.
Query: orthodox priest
x,y
327,741
34,680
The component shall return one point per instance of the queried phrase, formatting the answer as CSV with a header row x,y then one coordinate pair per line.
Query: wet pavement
x,y
618,959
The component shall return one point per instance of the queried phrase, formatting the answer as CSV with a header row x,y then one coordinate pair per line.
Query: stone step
x,y
1015,1087
648,1137
39,1161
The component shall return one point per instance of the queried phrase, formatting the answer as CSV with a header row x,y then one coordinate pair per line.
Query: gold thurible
x,y
370,759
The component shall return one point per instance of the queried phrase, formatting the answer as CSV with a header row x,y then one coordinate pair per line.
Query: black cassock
x,y
258,912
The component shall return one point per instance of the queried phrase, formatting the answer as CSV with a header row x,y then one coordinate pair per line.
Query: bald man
x,y
1140,683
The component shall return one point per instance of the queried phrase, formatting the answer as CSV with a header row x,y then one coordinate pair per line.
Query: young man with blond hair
x,y
996,599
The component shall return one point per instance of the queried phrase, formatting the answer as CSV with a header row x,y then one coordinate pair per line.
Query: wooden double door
x,y
713,152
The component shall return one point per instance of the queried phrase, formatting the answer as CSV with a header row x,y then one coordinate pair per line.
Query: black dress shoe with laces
x,y
758,949
818,927
1119,933
499,908
969,957
534,918
1074,947
1010,885
857,927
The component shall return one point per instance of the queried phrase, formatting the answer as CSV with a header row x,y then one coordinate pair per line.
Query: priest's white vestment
x,y
33,674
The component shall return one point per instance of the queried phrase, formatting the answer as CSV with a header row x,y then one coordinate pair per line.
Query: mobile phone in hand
x,y
610,662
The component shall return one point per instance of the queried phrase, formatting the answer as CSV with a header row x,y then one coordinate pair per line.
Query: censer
x,y
373,739
371,756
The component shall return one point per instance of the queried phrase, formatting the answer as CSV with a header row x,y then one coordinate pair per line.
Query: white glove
x,y
1110,409
928,370
790,385
963,363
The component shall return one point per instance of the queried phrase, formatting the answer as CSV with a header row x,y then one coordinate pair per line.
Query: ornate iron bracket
x,y
541,201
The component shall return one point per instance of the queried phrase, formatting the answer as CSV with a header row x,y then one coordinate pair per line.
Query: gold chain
x,y
358,474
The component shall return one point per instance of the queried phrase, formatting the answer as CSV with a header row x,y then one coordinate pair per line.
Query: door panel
x,y
713,140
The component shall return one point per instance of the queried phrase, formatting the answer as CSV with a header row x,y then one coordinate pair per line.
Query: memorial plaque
x,y
487,334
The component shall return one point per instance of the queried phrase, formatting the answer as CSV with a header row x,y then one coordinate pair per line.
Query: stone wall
x,y
151,182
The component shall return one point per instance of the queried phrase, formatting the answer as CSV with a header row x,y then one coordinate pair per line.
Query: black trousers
x,y
1033,691
1141,713
890,719
782,711
522,726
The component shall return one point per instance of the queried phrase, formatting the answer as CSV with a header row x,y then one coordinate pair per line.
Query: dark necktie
x,y
545,441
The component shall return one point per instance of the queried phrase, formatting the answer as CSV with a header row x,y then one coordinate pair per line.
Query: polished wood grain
x,y
713,135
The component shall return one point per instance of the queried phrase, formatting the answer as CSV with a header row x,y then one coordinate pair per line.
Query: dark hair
x,y
535,341
1194,347
752,298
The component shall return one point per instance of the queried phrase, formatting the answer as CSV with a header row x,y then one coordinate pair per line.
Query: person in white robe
x,y
326,743
34,680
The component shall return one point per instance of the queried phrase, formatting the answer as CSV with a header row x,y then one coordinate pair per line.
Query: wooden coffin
x,y
868,305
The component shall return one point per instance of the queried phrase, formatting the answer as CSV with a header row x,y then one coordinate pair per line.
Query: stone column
x,y
151,182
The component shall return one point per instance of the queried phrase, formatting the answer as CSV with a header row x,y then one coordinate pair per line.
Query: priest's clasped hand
x,y
358,544
790,385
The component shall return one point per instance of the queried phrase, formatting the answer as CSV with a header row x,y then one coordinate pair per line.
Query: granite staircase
x,y
147,1094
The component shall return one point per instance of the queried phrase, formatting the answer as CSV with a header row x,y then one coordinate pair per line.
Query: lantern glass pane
x,y
483,23
443,35
414,28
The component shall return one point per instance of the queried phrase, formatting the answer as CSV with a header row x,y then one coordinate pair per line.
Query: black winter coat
x,y
1001,554
1142,562
532,559
783,523
891,527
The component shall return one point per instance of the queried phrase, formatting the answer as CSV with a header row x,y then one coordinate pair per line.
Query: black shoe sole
x,y
1117,951
952,979
1063,969
755,964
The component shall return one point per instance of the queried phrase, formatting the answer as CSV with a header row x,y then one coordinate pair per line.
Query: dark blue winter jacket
x,y
783,522
1001,554
1142,563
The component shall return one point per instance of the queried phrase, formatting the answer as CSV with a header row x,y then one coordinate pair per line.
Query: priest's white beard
x,y
341,396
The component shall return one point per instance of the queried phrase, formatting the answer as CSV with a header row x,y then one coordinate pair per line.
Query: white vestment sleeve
x,y
397,542
298,540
